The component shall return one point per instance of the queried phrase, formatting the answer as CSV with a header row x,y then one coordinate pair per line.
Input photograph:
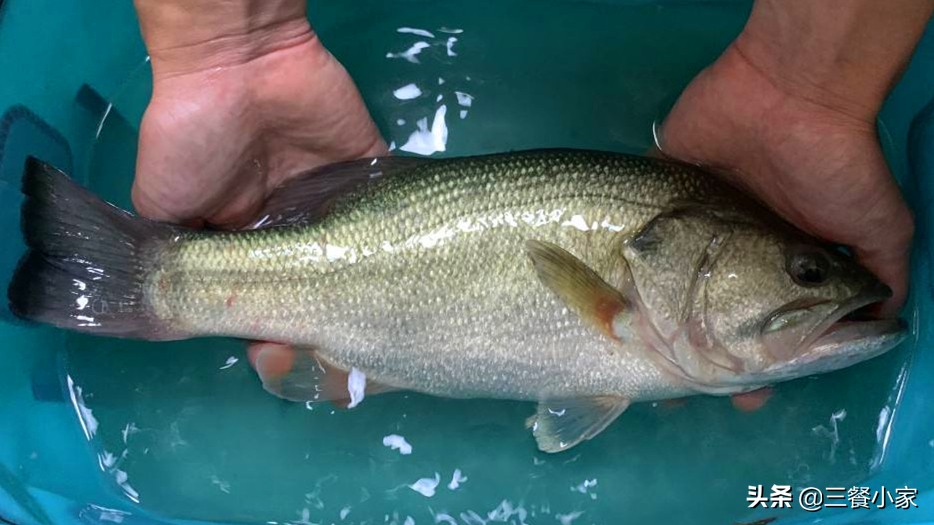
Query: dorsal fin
x,y
309,196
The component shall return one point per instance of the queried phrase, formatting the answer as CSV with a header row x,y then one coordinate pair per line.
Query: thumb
x,y
884,247
149,204
197,199
887,256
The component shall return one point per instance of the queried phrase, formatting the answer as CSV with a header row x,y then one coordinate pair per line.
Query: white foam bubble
x,y
410,54
397,442
456,479
356,386
416,31
407,92
423,141
426,486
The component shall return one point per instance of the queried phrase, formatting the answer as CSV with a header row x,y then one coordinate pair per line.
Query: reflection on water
x,y
191,437
431,131
186,430
107,461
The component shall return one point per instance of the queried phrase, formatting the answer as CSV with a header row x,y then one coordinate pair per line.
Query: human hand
x,y
241,101
244,97
764,116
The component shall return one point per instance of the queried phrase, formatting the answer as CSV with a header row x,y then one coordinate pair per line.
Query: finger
x,y
674,403
202,204
752,401
886,252
155,180
153,207
271,359
378,148
240,211
152,198
892,269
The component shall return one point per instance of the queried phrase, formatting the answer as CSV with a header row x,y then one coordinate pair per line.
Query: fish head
x,y
786,306
740,302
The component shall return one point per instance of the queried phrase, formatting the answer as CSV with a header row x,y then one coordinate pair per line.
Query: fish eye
x,y
808,266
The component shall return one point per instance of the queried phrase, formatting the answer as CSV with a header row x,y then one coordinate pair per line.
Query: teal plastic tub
x,y
105,431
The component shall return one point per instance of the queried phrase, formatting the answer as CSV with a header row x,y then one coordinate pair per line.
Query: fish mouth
x,y
846,337
842,342
848,323
824,322
847,332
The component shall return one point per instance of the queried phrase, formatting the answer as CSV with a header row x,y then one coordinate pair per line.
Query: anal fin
x,y
560,424
303,375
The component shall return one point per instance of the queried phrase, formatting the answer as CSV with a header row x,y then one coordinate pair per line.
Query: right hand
x,y
819,166
789,111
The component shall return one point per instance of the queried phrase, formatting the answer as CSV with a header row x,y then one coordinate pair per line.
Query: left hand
x,y
242,100
228,123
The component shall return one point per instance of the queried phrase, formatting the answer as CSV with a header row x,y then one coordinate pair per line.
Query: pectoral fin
x,y
302,375
560,424
583,290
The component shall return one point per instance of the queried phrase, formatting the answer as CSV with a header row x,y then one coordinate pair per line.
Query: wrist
x,y
823,84
191,36
845,55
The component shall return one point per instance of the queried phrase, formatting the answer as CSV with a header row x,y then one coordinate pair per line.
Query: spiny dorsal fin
x,y
560,424
309,196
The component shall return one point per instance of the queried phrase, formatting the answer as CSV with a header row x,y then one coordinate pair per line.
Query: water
x,y
184,430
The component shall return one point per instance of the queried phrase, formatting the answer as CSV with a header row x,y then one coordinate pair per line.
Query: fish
x,y
582,281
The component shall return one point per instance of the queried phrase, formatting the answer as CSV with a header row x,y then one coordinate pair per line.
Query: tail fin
x,y
87,262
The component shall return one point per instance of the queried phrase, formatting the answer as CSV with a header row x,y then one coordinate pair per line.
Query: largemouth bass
x,y
581,280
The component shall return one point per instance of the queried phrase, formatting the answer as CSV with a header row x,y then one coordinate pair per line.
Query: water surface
x,y
186,431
